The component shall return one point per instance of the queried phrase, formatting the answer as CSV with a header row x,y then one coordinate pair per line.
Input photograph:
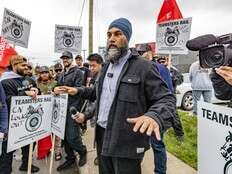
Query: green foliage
x,y
186,151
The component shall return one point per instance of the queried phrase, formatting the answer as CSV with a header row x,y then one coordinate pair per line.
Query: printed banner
x,y
171,36
68,38
15,29
214,139
30,120
59,112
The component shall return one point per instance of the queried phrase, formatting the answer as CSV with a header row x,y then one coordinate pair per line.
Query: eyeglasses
x,y
58,70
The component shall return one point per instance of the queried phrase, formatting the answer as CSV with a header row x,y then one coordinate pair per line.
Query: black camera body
x,y
213,51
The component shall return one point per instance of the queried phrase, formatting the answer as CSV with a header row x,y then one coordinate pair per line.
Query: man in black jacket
x,y
73,77
129,92
16,83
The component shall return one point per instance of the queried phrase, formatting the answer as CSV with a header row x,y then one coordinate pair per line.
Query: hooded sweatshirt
x,y
199,78
15,85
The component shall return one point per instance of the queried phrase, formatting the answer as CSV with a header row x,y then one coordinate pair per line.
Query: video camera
x,y
213,51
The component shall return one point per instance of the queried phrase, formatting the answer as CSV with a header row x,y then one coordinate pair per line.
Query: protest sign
x,y
30,120
59,115
214,139
171,36
68,38
15,29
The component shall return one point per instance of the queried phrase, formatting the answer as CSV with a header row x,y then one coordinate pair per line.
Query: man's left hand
x,y
80,118
226,73
145,124
32,93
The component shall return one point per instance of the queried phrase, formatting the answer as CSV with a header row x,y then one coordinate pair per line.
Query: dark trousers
x,y
160,155
114,165
73,140
6,159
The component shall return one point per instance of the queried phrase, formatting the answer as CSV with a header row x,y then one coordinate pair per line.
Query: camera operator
x,y
216,53
222,82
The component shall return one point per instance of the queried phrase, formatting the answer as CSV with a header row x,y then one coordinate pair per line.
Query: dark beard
x,y
114,54
20,72
67,66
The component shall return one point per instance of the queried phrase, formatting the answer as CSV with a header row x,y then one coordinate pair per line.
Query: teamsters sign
x,y
31,119
171,36
15,29
68,38
214,139
59,115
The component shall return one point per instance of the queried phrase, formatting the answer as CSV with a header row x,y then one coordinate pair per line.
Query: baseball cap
x,y
78,57
67,54
44,69
16,59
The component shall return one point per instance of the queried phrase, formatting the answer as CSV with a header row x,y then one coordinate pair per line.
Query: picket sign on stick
x,y
169,60
30,159
52,153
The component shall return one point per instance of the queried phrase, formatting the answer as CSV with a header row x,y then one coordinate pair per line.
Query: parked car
x,y
184,95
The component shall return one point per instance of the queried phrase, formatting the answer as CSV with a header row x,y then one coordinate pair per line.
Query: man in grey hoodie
x,y
201,84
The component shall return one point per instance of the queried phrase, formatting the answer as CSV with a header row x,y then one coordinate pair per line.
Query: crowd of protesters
x,y
128,96
95,107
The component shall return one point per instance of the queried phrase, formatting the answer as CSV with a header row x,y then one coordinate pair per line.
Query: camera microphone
x,y
201,42
74,112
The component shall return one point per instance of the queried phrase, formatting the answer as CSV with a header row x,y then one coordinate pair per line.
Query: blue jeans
x,y
160,156
207,94
73,141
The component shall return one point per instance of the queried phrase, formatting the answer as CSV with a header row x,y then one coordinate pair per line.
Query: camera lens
x,y
216,59
212,57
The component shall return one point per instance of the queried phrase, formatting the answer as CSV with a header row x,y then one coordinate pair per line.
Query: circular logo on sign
x,y
33,122
171,36
68,42
68,39
55,116
16,32
16,29
171,40
56,109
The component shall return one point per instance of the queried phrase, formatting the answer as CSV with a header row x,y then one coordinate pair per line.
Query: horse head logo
x,y
226,152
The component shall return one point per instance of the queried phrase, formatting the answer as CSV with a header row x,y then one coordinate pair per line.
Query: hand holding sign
x,y
32,93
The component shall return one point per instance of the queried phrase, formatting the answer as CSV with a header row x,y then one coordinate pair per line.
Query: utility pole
x,y
84,54
90,26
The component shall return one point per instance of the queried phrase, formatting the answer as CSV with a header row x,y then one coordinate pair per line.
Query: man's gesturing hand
x,y
65,89
145,124
60,90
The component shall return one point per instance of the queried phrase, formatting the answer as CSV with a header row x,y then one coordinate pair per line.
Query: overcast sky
x,y
212,16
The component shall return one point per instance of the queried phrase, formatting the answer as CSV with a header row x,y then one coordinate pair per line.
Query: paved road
x,y
175,166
